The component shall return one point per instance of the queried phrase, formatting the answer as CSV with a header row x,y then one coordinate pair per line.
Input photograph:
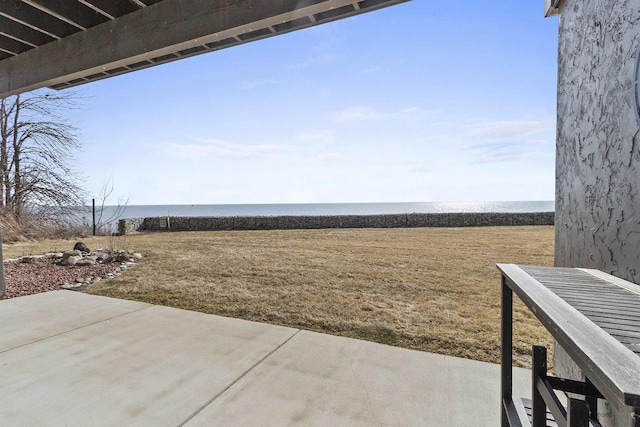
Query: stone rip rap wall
x,y
128,226
334,221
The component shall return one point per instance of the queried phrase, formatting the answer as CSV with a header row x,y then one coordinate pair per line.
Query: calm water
x,y
137,211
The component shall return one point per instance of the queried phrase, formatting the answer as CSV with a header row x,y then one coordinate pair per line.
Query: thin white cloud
x,y
495,146
215,148
502,158
316,136
372,70
256,83
501,152
510,129
326,157
321,59
325,38
507,141
357,113
498,157
370,114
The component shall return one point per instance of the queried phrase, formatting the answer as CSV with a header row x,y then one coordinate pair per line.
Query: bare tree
x,y
104,222
37,152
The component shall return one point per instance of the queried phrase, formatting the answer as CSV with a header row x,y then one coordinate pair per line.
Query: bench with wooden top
x,y
595,318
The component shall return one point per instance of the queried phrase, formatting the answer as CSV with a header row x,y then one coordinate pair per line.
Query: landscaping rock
x,y
80,246
71,260
37,273
74,252
76,287
85,261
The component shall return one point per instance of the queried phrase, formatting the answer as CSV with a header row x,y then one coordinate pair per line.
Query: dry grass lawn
x,y
431,289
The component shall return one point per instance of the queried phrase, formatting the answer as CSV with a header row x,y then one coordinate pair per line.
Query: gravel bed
x,y
42,275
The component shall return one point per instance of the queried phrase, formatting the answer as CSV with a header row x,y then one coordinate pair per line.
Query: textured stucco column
x,y
598,140
598,150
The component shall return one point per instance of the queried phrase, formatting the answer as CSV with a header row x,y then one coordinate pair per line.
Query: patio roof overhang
x,y
65,43
551,7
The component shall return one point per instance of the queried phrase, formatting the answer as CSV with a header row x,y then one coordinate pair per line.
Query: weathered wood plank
x,y
594,299
603,293
597,319
611,325
624,337
611,311
628,305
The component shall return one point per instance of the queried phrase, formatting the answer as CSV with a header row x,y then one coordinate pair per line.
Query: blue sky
x,y
424,101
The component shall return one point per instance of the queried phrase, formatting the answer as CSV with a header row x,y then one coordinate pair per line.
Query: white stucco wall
x,y
598,141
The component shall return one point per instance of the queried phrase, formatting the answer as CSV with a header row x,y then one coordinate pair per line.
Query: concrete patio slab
x,y
88,360
28,319
155,366
323,380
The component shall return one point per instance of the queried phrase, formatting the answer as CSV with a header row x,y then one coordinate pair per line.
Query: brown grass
x,y
431,289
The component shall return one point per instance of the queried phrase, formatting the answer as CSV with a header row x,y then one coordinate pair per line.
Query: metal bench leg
x,y
538,370
578,413
592,402
507,345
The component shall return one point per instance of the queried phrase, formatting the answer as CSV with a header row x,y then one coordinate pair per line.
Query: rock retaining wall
x,y
127,226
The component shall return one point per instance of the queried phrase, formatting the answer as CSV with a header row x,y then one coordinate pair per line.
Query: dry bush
x,y
37,227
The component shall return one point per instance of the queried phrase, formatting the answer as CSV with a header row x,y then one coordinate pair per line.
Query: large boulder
x,y
71,257
102,258
71,260
86,261
80,246
75,253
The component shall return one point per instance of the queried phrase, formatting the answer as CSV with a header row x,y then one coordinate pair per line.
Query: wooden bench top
x,y
594,316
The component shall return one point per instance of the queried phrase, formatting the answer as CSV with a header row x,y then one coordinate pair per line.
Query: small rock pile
x,y
74,269
81,256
